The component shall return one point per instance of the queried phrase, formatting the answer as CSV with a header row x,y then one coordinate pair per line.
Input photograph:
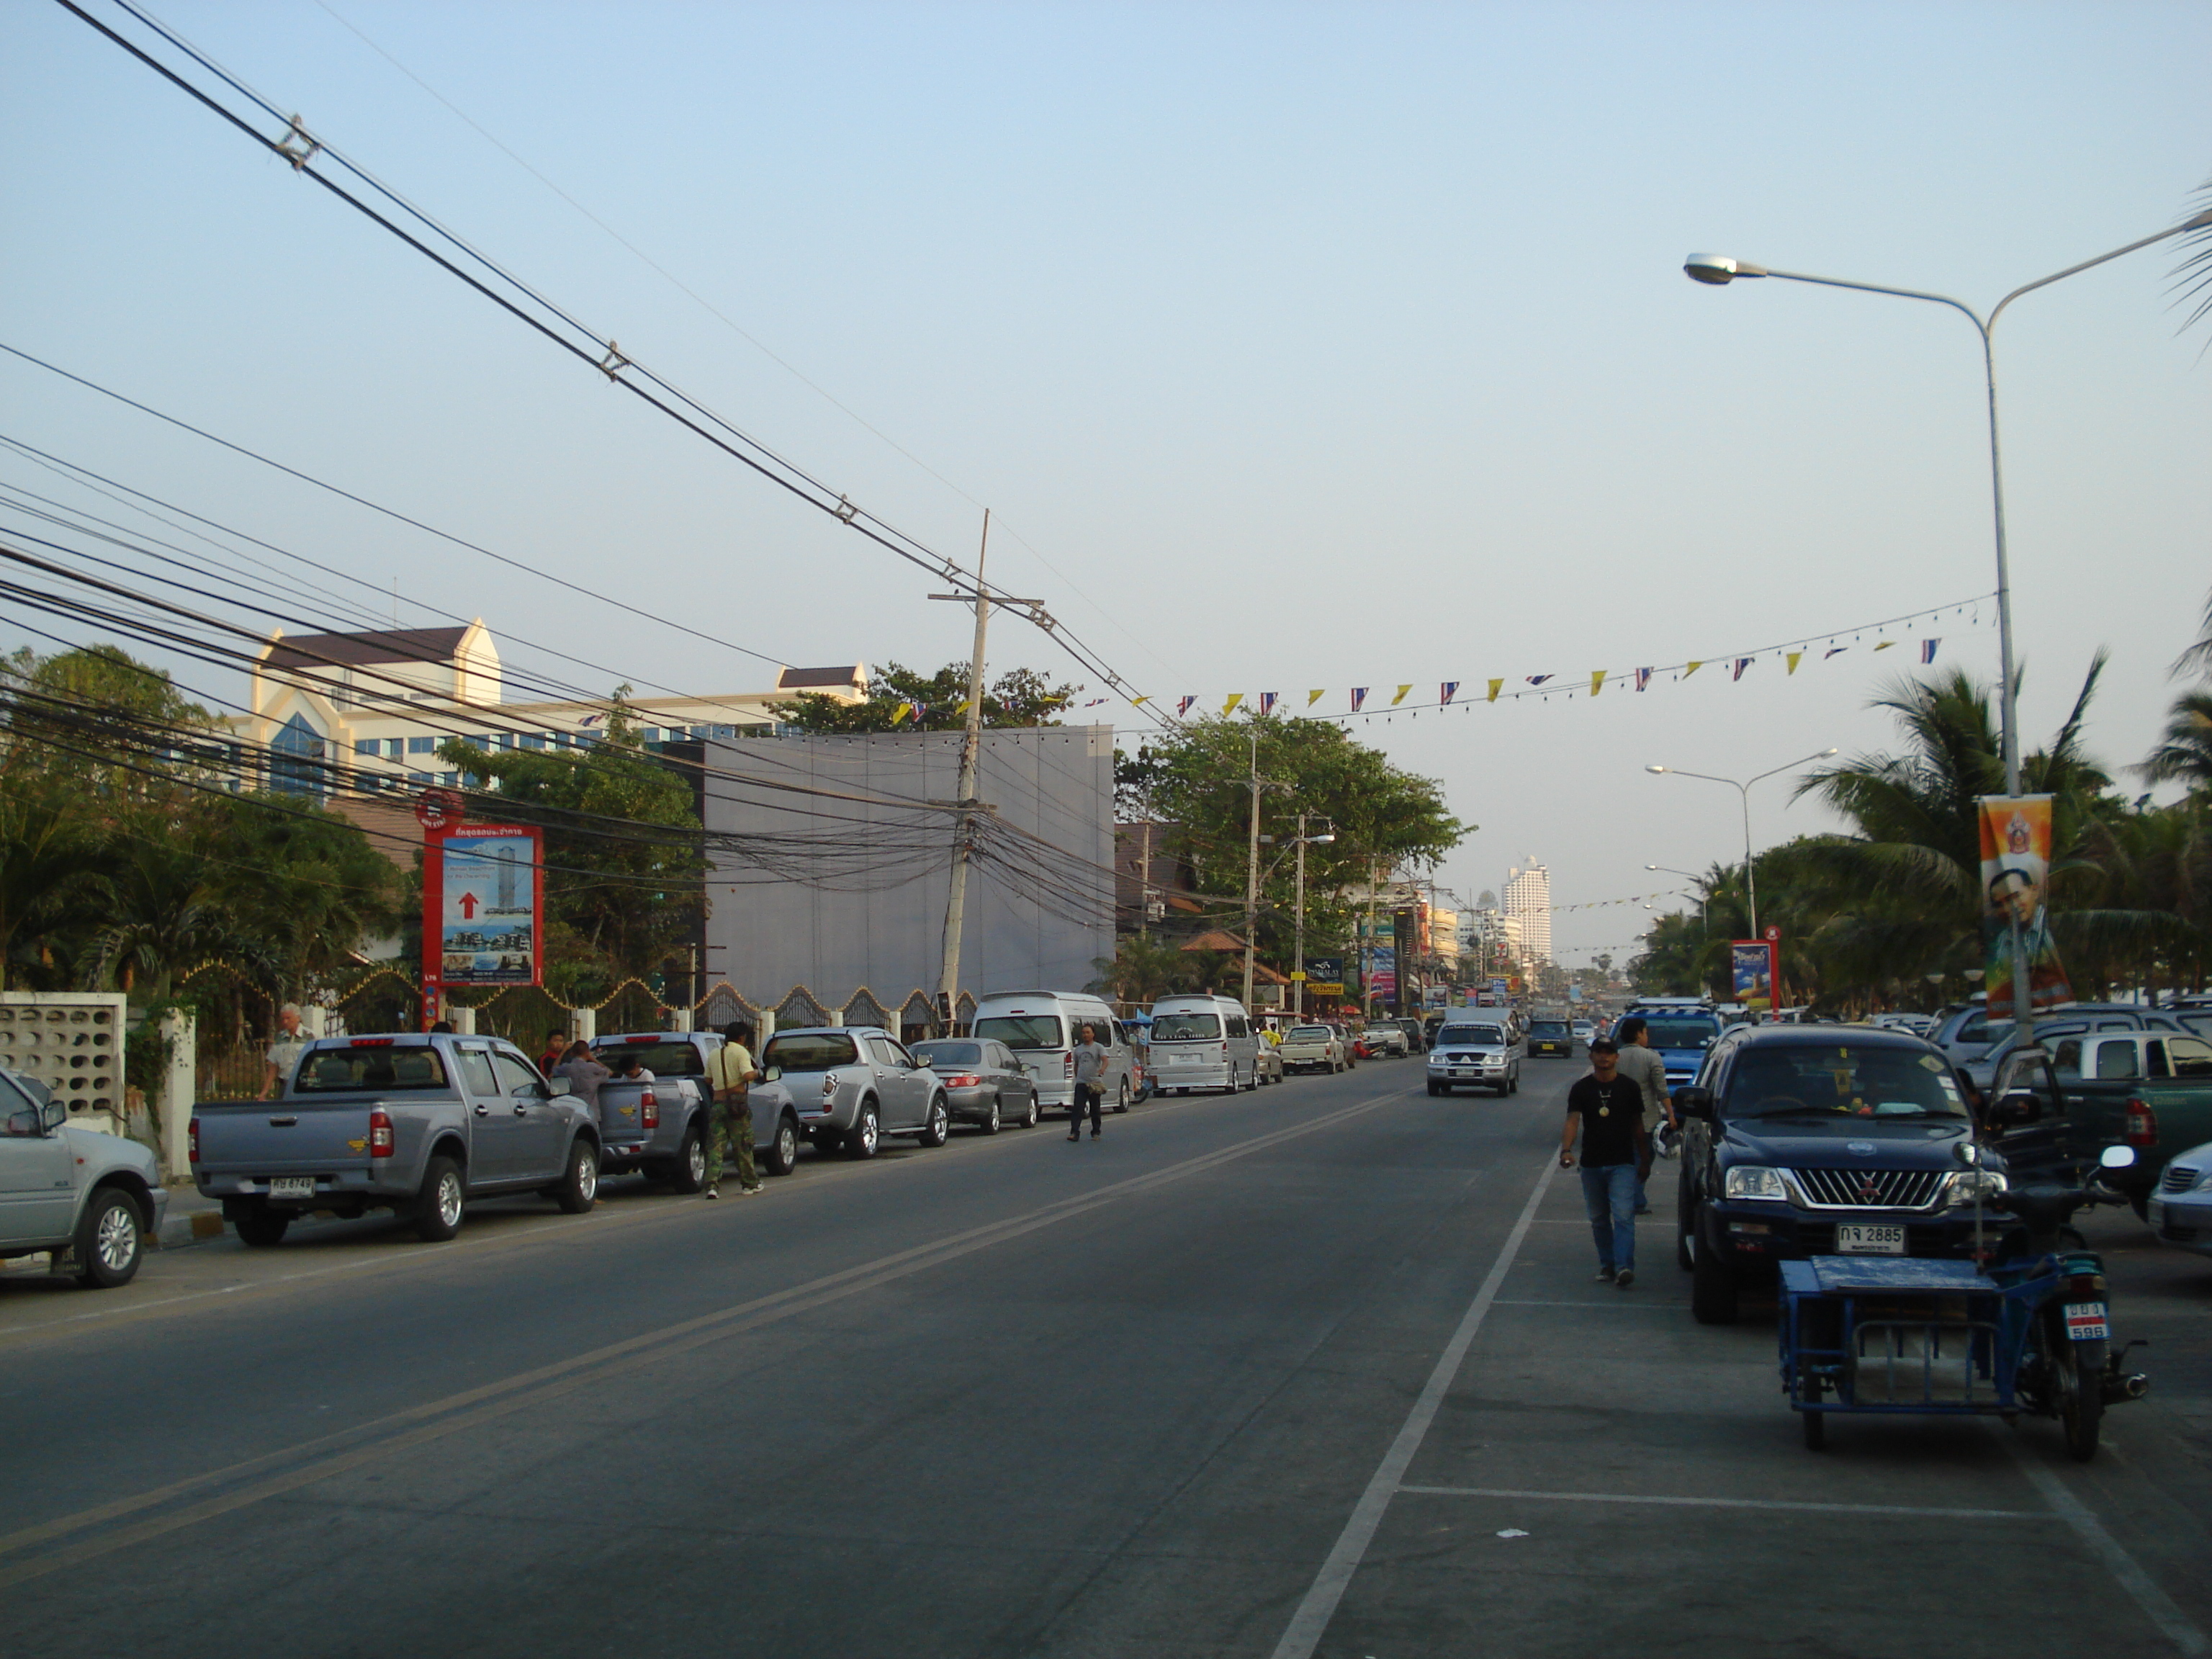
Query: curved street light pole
x,y
1704,922
1750,876
1719,270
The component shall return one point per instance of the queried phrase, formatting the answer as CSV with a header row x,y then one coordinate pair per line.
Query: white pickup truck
x,y
91,1199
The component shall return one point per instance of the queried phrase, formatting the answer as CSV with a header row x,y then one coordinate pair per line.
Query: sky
x,y
1292,347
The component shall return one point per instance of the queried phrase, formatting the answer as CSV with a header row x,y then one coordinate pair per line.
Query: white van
x,y
1043,1027
1203,1042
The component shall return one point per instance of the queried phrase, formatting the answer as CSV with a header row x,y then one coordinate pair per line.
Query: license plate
x,y
1868,1238
2085,1322
292,1187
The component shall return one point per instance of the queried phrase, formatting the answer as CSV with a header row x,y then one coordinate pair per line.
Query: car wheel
x,y
111,1241
782,1154
579,1183
1514,1084
1121,1100
1713,1291
1030,1118
989,1126
1435,1088
438,1206
1816,1424
259,1226
861,1139
937,1128
687,1174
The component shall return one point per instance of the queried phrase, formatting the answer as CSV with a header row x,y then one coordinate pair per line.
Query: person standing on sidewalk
x,y
1608,1110
1641,1065
1089,1084
731,1074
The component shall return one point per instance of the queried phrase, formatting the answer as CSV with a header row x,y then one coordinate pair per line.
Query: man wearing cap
x,y
1606,1110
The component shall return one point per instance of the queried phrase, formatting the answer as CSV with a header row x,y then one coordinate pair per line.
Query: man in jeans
x,y
1606,1109
1640,1063
1089,1084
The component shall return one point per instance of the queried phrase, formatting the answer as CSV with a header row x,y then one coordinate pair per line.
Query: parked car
x,y
1684,1033
419,1124
2055,1107
1043,1027
89,1197
985,1083
1268,1065
2080,1018
1384,1037
1475,1053
1417,1034
1348,1040
1311,1048
661,1128
852,1085
1203,1042
1551,1037
1964,1034
2180,1210
1801,1141
1585,1032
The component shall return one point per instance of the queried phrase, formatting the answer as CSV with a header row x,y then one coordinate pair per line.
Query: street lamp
x,y
1718,269
1750,878
1704,922
1298,955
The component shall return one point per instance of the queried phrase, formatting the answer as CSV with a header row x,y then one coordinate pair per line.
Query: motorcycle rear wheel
x,y
2079,1383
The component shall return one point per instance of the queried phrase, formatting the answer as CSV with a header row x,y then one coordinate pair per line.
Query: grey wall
x,y
847,890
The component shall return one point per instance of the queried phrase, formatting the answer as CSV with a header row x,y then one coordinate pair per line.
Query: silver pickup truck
x,y
660,1127
853,1084
91,1199
417,1124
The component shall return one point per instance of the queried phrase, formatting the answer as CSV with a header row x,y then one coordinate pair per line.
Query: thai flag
x,y
1451,689
1928,649
1267,702
1833,651
1642,678
1358,696
1741,663
1182,704
1537,679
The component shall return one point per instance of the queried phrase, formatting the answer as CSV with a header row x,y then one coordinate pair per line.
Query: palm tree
x,y
2195,271
2184,755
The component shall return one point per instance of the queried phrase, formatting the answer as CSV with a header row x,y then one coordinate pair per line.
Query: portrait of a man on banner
x,y
2018,946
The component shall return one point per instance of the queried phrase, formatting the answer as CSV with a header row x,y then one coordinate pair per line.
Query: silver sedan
x,y
984,1084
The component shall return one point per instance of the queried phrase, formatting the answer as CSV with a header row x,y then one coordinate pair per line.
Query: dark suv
x,y
1820,1140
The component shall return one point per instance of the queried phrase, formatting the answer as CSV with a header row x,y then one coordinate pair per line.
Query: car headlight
x,y
1753,1180
1971,1184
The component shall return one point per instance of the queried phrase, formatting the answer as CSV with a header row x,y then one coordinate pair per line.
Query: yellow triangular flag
x,y
1400,697
1885,645
1597,679
1313,697
900,712
1235,697
1134,702
1795,657
1494,686
1689,669
966,704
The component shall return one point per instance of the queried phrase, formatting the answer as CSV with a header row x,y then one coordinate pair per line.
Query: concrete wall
x,y
853,892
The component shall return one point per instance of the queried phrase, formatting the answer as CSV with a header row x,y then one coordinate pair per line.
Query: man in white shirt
x,y
284,1053
1641,1064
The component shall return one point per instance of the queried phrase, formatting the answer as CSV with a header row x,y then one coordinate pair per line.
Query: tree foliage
x,y
1020,696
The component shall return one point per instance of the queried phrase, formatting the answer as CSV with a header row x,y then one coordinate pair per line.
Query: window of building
x,y
295,759
421,746
449,779
532,740
423,778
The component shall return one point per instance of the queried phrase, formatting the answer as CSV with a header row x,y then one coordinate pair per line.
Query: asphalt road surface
x,y
1317,1370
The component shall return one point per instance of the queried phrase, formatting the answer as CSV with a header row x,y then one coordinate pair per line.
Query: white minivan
x,y
1203,1042
1043,1027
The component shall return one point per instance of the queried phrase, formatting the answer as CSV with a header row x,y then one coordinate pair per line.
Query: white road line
x,y
1732,1504
1640,1304
2158,1606
1319,1607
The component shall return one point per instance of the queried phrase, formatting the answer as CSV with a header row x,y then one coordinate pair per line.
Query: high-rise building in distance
x,y
1528,901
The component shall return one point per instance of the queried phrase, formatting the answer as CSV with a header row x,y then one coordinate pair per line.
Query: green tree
x,y
1020,696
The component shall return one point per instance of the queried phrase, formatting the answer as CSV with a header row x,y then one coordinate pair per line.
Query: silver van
x,y
1043,1027
1203,1042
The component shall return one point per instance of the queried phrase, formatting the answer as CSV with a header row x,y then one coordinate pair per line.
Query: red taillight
x,y
961,1080
2085,1285
2142,1124
1068,1065
650,1103
370,1042
192,1142
1224,1050
380,1133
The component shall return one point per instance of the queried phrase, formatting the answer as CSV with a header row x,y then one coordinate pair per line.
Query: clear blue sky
x,y
1303,346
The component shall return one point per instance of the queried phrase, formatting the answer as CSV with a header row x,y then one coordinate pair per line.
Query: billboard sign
x,y
1382,975
1751,973
484,892
1325,976
2016,917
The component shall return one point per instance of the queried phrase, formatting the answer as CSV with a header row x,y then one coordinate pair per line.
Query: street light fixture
x,y
1704,920
1750,876
1719,270
1298,951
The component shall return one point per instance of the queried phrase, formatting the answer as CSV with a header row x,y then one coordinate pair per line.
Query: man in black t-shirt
x,y
1608,1110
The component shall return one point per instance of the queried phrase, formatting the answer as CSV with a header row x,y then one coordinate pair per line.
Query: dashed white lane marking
x,y
1731,1504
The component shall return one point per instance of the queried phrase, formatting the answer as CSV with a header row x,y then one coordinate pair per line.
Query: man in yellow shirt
x,y
731,1074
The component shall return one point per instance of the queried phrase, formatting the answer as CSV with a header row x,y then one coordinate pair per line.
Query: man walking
x,y
731,1074
1641,1065
1608,1110
1089,1084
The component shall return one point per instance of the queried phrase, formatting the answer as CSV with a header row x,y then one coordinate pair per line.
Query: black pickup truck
x,y
1820,1140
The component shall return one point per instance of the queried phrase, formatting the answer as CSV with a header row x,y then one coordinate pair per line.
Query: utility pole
x,y
1252,873
1298,951
1145,882
955,902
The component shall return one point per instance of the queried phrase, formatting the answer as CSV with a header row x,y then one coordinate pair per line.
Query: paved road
x,y
1320,1370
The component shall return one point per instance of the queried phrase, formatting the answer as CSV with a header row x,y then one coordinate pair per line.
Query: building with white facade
x,y
366,712
1528,901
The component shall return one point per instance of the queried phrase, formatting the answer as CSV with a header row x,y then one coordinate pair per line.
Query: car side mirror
x,y
2015,1110
773,1074
25,1125
55,1114
559,1086
1696,1102
2118,1158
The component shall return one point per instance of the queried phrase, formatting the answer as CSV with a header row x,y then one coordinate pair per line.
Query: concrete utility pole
x,y
1298,970
1252,873
956,900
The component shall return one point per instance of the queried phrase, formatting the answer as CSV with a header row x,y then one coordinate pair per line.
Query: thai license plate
x,y
1868,1238
292,1187
2085,1322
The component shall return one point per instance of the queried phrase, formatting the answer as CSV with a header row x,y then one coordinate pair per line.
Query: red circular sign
x,y
1773,935
437,809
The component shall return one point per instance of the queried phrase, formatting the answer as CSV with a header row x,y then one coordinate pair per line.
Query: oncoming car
x,y
1551,1037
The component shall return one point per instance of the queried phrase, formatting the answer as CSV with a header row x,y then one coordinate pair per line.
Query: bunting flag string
x,y
1792,652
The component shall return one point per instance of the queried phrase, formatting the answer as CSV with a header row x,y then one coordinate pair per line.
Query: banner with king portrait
x,y
2019,950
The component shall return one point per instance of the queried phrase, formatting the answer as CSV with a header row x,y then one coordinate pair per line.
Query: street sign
x,y
483,894
437,809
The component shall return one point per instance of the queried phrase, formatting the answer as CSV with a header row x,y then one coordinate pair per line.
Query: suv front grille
x,y
1868,1190
2180,1178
